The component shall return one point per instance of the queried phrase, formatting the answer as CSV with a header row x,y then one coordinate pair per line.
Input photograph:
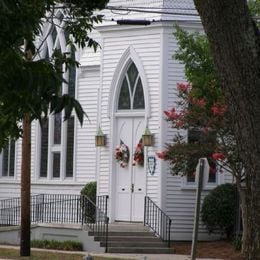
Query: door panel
x,y
123,175
131,180
138,175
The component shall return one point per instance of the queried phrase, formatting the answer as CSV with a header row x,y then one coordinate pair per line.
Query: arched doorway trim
x,y
128,57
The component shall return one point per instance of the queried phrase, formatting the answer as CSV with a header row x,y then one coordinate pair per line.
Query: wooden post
x,y
25,239
25,247
197,209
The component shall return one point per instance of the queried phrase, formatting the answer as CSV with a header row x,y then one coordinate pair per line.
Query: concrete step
x,y
126,233
130,238
121,226
141,250
158,244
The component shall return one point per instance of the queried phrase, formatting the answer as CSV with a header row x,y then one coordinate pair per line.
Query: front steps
x,y
133,238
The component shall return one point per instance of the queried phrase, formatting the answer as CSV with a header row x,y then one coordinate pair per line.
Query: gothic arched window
x,y
131,95
57,137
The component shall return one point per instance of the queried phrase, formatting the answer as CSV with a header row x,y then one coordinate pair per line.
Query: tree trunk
x,y
235,45
25,242
242,196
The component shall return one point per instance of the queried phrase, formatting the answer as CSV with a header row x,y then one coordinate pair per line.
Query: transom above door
x,y
131,95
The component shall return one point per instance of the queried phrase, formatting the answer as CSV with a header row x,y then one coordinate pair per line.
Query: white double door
x,y
131,180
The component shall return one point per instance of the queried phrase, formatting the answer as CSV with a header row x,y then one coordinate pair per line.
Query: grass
x,y
8,253
67,245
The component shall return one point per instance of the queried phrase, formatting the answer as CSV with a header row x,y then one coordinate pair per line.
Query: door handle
x,y
132,188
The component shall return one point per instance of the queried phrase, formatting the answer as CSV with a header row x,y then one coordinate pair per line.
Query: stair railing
x,y
157,220
60,208
95,217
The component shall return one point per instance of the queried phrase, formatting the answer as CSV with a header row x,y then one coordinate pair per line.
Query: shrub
x,y
67,245
218,210
89,209
90,190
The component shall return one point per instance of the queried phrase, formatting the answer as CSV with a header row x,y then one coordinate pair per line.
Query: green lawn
x,y
46,255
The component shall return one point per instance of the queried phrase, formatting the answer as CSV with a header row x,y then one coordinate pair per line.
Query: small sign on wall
x,y
151,164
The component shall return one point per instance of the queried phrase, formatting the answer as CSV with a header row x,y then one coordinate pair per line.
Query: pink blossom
x,y
162,155
183,87
200,102
218,156
218,110
171,114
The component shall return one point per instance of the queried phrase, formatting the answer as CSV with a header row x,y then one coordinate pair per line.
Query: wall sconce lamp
x,y
147,137
100,138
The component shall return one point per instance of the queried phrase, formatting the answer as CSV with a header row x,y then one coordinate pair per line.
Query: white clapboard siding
x,y
85,159
56,188
90,57
9,189
146,43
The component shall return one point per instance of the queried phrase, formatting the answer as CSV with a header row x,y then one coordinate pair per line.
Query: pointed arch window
x,y
131,94
56,137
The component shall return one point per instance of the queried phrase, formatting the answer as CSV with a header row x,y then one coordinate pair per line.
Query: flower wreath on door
x,y
138,158
122,154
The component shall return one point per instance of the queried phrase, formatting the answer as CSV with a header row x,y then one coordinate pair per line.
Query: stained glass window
x,y
8,159
131,92
70,147
44,148
197,136
139,96
56,165
124,97
54,35
57,128
57,136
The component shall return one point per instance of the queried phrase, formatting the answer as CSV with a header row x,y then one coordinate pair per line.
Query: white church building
x,y
124,88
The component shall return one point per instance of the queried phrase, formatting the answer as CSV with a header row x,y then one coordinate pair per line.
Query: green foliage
x,y
67,245
88,201
194,53
254,6
90,190
201,110
218,210
33,86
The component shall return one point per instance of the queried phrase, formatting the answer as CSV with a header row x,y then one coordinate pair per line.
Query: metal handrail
x,y
95,217
157,220
60,208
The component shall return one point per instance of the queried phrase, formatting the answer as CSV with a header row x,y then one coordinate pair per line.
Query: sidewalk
x,y
121,256
151,256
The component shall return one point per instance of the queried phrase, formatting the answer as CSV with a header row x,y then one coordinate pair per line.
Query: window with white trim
x,y
56,140
197,136
7,159
131,95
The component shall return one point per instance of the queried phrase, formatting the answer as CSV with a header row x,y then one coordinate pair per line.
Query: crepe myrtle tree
x,y
30,88
201,110
206,118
